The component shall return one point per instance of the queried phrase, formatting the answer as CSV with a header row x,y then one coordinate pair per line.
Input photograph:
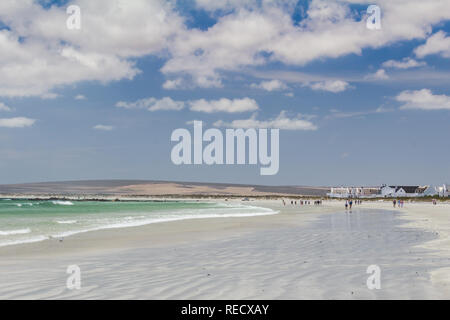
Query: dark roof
x,y
408,189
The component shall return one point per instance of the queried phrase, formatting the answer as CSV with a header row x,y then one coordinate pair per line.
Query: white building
x,y
354,192
374,192
443,191
403,191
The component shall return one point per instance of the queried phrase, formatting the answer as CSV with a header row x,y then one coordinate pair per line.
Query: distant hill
x,y
154,188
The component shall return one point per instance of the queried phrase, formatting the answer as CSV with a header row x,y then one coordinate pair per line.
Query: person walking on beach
x,y
394,202
346,204
351,204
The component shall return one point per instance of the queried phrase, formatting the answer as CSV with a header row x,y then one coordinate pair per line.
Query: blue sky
x,y
378,100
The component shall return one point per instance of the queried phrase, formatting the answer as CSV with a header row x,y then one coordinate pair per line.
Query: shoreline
x,y
177,251
209,227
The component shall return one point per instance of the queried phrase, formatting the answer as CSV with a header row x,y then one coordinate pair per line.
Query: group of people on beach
x,y
398,203
302,202
349,203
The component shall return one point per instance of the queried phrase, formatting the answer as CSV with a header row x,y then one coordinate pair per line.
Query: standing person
x,y
394,202
346,204
351,204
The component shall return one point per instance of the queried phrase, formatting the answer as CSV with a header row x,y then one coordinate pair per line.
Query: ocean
x,y
23,221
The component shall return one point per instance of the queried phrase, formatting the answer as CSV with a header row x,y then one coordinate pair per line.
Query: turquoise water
x,y
24,221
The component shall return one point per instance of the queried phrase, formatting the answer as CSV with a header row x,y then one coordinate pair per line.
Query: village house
x,y
443,191
374,192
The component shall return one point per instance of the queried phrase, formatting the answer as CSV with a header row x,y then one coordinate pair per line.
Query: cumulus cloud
x,y
282,121
423,100
103,127
379,75
153,104
39,54
18,122
4,107
224,105
406,63
438,43
270,85
265,32
213,5
330,85
173,84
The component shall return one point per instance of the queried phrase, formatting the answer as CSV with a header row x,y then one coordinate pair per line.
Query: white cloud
x,y
213,5
39,54
423,100
438,43
153,104
49,95
103,127
224,105
173,84
80,97
18,122
330,85
379,75
255,34
4,107
406,63
191,122
270,85
338,114
280,122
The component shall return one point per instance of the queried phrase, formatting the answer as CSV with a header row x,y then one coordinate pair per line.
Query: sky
x,y
354,105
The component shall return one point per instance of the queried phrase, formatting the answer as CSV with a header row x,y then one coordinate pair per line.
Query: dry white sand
x,y
305,252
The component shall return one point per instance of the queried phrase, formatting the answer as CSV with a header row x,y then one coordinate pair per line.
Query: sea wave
x,y
127,223
63,203
11,232
22,241
66,221
140,220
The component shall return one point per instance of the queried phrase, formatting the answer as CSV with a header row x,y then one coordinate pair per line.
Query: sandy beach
x,y
303,252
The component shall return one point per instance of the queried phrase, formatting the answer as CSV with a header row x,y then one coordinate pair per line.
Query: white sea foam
x,y
22,241
24,204
66,221
63,203
18,231
172,216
